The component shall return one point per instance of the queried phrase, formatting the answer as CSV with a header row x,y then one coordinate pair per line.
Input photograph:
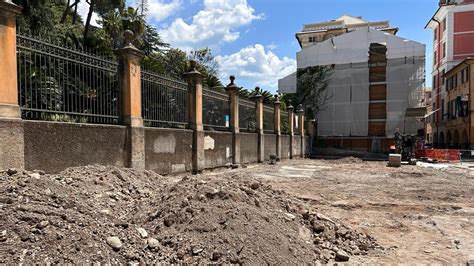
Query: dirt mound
x,y
106,214
349,160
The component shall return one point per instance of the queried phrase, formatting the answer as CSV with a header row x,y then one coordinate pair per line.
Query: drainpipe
x,y
469,102
437,98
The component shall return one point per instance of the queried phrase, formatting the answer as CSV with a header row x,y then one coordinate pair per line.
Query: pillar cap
x,y
193,72
128,48
300,109
277,99
9,6
290,107
231,86
257,96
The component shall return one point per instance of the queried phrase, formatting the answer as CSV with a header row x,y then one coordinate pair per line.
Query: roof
x,y
344,21
467,60
440,8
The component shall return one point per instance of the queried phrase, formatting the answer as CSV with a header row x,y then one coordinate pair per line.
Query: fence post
x,y
11,126
194,79
290,110
277,122
312,134
300,113
131,101
258,98
9,107
233,92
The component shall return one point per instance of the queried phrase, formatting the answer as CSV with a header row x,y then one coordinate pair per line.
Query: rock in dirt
x,y
42,224
342,256
3,236
114,242
35,175
153,243
12,171
143,233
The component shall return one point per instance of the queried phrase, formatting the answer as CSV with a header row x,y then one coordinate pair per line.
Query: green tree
x,y
312,89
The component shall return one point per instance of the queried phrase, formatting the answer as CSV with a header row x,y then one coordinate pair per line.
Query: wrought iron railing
x,y
163,100
64,84
284,122
215,110
268,119
247,115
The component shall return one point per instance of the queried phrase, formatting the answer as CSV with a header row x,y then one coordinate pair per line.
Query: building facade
x,y
460,93
453,41
376,77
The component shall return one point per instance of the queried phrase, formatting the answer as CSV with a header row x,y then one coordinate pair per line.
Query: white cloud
x,y
159,10
215,24
256,65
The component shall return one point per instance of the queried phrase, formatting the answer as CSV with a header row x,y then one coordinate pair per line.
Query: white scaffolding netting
x,y
347,111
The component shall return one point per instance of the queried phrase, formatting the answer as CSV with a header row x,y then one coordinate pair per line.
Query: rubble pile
x,y
112,215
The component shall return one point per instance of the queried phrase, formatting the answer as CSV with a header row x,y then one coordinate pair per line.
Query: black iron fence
x,y
215,110
268,119
247,115
163,100
284,122
65,84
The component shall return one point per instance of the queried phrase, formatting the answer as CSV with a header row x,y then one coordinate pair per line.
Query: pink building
x,y
453,41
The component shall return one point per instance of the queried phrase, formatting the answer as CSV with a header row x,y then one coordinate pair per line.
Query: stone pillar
x,y
194,79
300,113
277,125
9,107
291,121
130,101
259,119
312,134
11,126
233,92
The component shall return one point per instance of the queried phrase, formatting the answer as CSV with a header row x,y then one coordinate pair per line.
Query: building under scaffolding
x,y
376,78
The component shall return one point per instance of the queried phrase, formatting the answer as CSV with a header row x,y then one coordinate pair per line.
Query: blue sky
x,y
254,39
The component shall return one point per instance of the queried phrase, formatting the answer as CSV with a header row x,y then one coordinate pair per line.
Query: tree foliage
x,y
59,22
312,89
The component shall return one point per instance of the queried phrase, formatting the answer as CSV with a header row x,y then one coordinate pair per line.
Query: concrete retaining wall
x,y
248,147
285,146
217,148
55,146
269,141
52,146
297,146
168,150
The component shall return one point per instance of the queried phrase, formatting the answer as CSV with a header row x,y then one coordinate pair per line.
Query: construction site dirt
x,y
298,211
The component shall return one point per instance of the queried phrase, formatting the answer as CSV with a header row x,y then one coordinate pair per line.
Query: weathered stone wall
x,y
217,148
285,146
248,147
52,146
11,143
168,150
269,145
297,146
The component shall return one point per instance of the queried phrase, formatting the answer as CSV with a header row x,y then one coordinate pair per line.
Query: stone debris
x,y
114,242
99,214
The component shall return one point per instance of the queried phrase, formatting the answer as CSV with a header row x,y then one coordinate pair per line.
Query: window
x,y
434,82
444,50
436,34
312,39
435,58
444,24
443,78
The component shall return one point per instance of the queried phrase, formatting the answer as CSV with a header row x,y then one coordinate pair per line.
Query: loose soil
x,y
111,215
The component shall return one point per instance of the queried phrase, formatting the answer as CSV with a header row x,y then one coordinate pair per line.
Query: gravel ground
x,y
420,215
